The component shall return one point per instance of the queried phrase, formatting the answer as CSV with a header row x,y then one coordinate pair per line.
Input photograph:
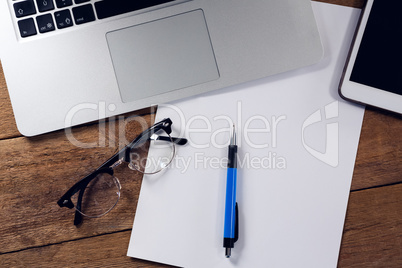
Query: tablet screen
x,y
379,59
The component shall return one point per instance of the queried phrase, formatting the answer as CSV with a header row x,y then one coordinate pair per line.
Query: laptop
x,y
69,62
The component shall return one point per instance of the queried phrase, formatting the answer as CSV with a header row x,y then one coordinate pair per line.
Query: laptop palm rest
x,y
163,55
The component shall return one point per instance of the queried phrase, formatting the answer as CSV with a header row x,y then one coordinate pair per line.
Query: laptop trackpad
x,y
163,55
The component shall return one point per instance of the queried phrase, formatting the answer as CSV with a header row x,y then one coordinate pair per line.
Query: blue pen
x,y
231,228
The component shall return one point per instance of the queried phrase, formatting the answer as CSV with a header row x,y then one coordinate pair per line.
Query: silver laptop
x,y
69,62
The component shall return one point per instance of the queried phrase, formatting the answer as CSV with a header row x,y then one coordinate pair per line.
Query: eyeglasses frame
x,y
108,167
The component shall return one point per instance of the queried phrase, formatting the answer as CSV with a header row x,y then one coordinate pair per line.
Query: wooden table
x,y
35,172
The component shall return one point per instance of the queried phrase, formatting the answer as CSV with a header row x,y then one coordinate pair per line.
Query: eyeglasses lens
x,y
100,196
161,153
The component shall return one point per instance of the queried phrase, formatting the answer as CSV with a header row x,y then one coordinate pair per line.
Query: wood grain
x,y
373,217
102,251
380,150
8,128
372,235
35,172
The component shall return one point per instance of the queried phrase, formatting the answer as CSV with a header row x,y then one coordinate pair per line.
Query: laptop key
x,y
63,3
83,14
109,8
27,27
81,1
63,19
24,8
45,5
45,23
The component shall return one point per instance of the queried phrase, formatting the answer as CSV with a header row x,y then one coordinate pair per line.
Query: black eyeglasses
x,y
99,192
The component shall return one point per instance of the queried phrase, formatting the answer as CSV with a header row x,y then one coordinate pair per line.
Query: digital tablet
x,y
373,73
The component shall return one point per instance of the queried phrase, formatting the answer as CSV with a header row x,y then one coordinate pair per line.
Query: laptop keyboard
x,y
43,16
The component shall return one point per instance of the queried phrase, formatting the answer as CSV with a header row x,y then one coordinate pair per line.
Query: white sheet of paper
x,y
297,147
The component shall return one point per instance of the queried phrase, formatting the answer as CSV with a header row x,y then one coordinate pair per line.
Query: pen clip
x,y
236,223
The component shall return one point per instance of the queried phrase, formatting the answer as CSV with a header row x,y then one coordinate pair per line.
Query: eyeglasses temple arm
x,y
116,157
78,216
178,141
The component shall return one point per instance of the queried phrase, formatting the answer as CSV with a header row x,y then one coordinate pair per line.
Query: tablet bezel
x,y
360,93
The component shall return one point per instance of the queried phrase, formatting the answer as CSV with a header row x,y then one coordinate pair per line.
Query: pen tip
x,y
228,252
233,138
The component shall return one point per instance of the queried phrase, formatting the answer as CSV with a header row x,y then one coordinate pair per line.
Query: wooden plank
x,y
380,150
103,251
8,128
372,238
35,173
372,235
